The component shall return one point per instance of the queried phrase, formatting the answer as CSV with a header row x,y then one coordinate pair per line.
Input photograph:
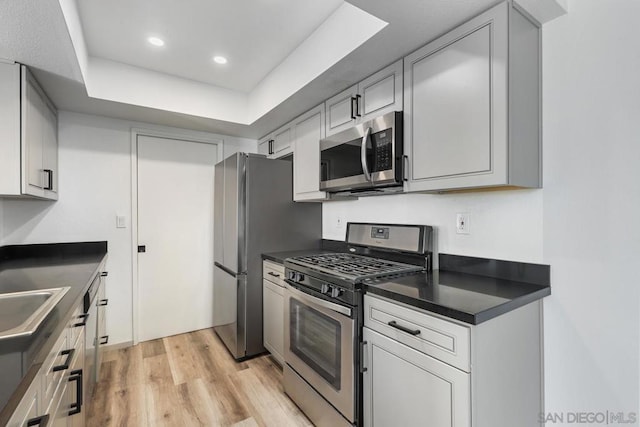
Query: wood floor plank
x,y
198,407
189,380
181,360
157,371
153,348
162,404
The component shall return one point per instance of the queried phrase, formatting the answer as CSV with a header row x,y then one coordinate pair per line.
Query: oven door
x,y
364,156
319,346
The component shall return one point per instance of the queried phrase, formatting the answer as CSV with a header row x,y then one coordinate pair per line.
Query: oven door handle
x,y
311,300
363,154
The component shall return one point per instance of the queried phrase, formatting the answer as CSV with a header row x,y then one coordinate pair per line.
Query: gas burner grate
x,y
353,266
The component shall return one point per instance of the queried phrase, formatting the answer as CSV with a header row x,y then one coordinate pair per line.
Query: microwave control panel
x,y
383,150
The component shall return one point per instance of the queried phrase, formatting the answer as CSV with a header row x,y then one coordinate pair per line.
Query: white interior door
x,y
175,224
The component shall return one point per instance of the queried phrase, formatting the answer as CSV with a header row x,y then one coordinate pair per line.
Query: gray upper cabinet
x,y
28,136
472,106
308,131
374,96
278,143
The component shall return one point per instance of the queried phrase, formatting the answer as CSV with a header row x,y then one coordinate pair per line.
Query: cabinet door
x,y
281,142
308,131
76,397
34,111
30,406
403,387
273,312
341,112
381,93
264,145
50,152
455,105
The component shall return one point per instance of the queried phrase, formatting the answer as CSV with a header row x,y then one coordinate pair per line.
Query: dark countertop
x,y
469,289
31,267
473,290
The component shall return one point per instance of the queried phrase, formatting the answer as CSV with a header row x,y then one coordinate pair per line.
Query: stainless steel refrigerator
x,y
254,213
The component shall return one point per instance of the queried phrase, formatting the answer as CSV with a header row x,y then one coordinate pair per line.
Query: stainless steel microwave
x,y
365,157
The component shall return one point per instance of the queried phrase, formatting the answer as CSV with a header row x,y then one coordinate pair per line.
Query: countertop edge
x,y
469,318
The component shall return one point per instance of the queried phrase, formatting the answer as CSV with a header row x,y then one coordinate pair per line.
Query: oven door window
x,y
315,339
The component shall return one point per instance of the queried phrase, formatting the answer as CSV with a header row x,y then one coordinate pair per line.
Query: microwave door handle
x,y
363,154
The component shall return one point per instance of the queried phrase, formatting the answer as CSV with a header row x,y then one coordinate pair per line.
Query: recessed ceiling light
x,y
220,59
156,41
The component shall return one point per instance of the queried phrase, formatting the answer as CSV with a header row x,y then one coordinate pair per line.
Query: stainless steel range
x,y
323,315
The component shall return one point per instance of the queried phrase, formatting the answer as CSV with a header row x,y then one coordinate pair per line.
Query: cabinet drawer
x,y
273,272
52,374
76,323
444,340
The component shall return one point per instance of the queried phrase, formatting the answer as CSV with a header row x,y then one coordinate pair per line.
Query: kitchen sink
x,y
22,312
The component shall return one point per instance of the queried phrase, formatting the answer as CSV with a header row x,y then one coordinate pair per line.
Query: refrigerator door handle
x,y
225,269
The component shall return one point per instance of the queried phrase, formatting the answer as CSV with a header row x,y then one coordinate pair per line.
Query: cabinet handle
x,y
67,362
105,340
363,369
104,274
271,146
393,324
353,108
49,179
405,167
271,273
41,421
76,376
84,318
103,302
358,105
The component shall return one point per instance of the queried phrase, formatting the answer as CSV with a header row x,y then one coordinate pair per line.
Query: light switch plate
x,y
121,221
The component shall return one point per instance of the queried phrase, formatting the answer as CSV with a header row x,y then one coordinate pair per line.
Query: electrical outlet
x,y
463,225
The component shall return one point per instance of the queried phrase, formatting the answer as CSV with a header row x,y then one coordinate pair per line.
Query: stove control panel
x,y
329,290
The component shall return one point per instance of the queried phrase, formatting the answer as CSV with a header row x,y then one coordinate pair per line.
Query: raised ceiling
x,y
254,35
91,55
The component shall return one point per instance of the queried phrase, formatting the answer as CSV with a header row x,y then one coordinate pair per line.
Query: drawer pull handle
x,y
76,407
41,421
104,339
271,273
103,302
413,332
67,362
84,320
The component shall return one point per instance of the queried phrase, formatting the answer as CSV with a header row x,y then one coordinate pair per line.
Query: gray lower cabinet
x,y
423,369
472,105
56,394
273,308
405,387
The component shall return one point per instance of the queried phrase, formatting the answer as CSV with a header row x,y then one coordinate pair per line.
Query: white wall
x,y
591,206
95,185
504,224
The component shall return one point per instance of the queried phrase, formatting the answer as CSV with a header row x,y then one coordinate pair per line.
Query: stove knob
x,y
324,289
292,275
299,277
336,292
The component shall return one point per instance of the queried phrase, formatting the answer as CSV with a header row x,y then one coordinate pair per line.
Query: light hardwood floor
x,y
189,380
